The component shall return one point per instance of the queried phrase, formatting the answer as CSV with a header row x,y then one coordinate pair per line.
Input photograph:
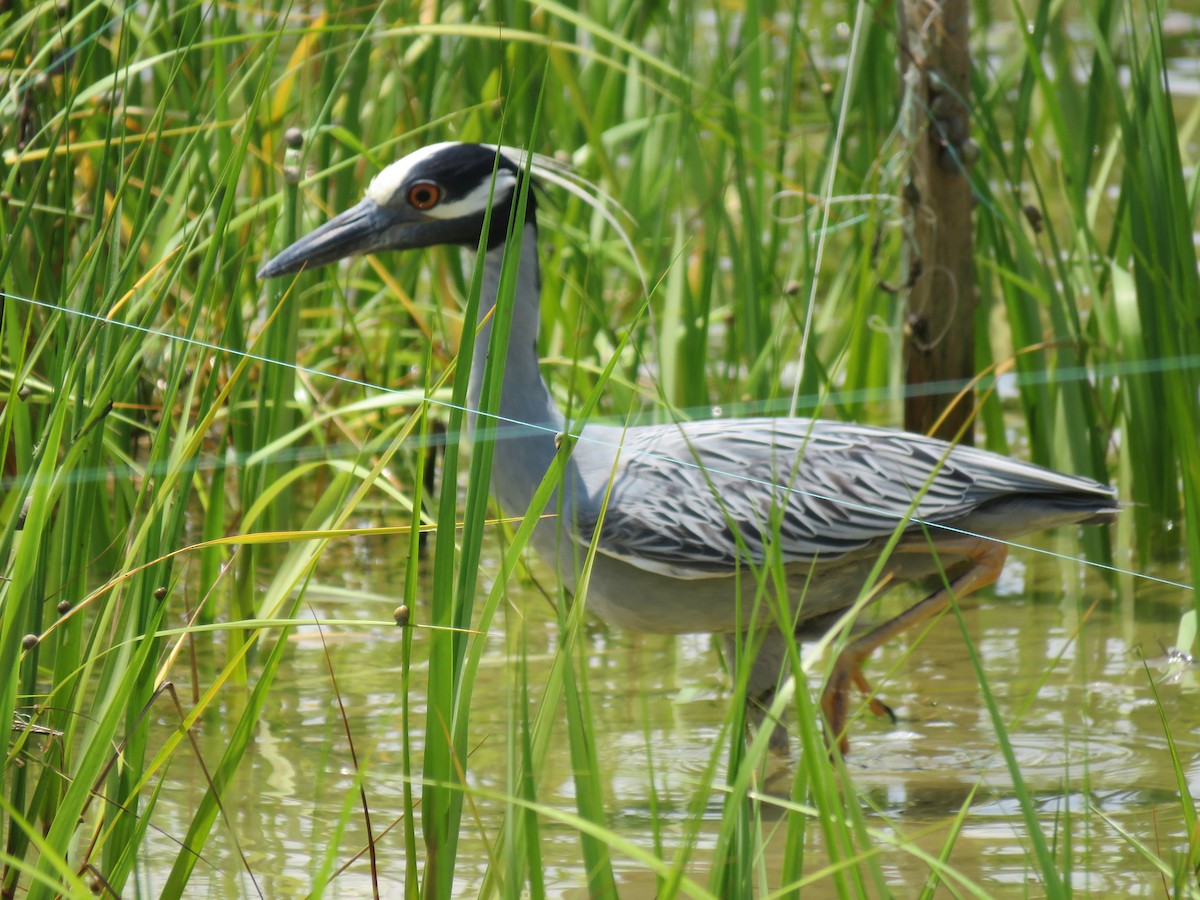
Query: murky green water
x,y
1056,642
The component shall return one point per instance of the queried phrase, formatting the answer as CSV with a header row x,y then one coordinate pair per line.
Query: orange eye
x,y
424,195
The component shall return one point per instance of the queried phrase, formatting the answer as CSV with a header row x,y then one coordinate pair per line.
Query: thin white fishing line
x,y
418,397
835,398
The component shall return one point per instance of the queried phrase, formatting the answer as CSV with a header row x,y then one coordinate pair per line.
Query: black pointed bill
x,y
361,229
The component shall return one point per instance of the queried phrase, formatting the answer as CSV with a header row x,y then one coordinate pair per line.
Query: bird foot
x,y
835,700
987,558
874,704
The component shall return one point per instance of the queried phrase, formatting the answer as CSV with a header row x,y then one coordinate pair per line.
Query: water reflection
x,y
1065,666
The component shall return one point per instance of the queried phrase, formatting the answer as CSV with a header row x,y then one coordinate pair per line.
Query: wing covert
x,y
692,500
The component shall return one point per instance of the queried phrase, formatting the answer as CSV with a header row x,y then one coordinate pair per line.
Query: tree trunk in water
x,y
939,346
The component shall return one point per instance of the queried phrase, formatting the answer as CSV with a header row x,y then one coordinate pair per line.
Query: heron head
x,y
436,195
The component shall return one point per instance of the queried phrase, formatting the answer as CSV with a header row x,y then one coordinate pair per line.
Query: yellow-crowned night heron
x,y
683,509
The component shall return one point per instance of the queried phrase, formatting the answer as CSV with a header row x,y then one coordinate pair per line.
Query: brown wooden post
x,y
939,341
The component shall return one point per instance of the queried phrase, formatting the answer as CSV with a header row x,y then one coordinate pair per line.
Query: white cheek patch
x,y
383,186
478,200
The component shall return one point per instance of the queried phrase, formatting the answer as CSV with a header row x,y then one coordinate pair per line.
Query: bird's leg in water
x,y
769,661
767,670
987,558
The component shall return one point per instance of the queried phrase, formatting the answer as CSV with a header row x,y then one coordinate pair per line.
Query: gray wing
x,y
691,500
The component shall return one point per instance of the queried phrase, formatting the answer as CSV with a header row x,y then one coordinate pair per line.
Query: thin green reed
x,y
559,686
1160,242
455,581
57,552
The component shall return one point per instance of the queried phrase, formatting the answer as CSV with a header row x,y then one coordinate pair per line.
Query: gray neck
x,y
529,421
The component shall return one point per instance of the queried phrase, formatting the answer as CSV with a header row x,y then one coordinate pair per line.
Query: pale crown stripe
x,y
384,185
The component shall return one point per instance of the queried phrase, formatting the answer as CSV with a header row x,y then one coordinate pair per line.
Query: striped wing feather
x,y
682,492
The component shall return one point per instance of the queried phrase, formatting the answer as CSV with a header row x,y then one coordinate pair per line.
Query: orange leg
x,y
988,559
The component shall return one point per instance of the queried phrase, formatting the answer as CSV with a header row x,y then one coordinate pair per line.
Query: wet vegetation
x,y
187,452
